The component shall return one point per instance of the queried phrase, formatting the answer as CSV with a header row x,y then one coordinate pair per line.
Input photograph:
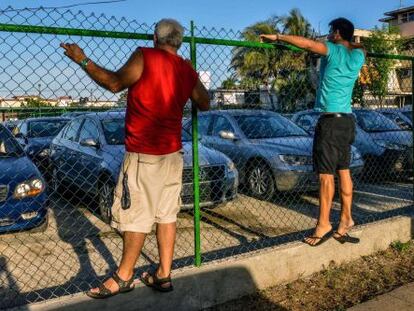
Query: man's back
x,y
156,102
338,73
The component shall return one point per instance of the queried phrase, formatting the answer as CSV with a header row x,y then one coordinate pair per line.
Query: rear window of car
x,y
46,128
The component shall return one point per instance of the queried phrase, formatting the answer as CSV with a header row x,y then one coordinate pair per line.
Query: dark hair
x,y
344,26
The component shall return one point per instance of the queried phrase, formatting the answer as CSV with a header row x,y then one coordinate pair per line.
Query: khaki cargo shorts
x,y
154,184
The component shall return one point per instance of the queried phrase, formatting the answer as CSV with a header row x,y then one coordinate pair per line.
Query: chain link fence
x,y
61,147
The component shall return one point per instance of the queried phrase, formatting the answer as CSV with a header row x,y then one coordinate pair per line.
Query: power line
x,y
61,7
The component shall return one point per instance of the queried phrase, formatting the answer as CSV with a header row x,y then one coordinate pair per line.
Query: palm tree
x,y
272,67
296,24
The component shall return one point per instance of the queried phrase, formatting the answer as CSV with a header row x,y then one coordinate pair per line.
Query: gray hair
x,y
169,32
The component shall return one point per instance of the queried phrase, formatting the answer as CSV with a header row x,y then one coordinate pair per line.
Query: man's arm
x,y
114,81
301,42
200,96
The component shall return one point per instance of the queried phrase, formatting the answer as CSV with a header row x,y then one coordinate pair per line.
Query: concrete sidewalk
x,y
231,278
401,299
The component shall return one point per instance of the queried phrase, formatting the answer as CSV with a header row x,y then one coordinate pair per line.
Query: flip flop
x,y
345,238
321,239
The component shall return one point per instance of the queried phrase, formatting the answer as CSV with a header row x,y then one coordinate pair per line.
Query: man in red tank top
x,y
159,84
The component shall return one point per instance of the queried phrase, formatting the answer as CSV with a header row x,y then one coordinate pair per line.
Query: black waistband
x,y
335,115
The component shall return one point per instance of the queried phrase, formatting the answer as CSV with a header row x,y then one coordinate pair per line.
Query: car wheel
x,y
106,197
260,181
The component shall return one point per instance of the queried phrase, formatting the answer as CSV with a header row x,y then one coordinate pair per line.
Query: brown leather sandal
x,y
104,292
151,280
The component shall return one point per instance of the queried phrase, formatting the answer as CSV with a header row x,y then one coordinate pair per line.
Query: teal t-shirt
x,y
338,73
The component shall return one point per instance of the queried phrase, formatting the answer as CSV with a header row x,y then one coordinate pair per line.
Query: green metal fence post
x,y
412,110
196,184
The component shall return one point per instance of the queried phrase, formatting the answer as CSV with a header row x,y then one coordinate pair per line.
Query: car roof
x,y
240,112
105,115
47,119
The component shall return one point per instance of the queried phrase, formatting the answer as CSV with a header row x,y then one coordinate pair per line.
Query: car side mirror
x,y
90,142
228,135
22,136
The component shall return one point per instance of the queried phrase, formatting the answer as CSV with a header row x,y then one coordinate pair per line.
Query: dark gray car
x,y
271,153
379,140
88,153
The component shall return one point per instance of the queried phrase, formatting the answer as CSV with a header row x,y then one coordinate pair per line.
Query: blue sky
x,y
30,60
232,14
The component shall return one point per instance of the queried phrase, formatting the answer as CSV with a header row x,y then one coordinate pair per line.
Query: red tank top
x,y
156,101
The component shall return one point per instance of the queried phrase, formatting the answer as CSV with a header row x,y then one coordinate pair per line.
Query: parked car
x,y
22,188
35,135
89,151
270,152
388,133
399,118
384,154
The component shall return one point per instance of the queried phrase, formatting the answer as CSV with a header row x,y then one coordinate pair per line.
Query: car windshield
x,y
8,145
114,131
371,121
268,126
408,114
45,128
398,118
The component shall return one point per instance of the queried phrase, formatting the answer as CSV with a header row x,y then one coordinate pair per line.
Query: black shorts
x,y
332,144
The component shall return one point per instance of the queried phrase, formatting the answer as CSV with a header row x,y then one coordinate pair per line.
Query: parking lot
x,y
78,249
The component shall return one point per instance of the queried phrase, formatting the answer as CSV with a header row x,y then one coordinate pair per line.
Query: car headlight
x,y
28,188
388,145
231,166
44,152
295,159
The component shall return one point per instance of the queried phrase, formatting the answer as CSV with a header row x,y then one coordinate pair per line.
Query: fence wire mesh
x,y
61,148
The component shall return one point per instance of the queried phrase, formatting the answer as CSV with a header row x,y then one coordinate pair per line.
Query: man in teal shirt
x,y
335,132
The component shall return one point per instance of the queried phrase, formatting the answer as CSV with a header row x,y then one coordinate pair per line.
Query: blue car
x,y
384,146
271,153
35,135
87,154
22,189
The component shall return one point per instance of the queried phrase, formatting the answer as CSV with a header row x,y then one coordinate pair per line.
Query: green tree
x,y
275,69
296,24
375,77
229,83
34,103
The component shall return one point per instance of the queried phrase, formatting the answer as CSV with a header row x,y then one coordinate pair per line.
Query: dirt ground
x,y
337,287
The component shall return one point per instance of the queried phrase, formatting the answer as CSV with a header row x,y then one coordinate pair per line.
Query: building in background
x,y
403,19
